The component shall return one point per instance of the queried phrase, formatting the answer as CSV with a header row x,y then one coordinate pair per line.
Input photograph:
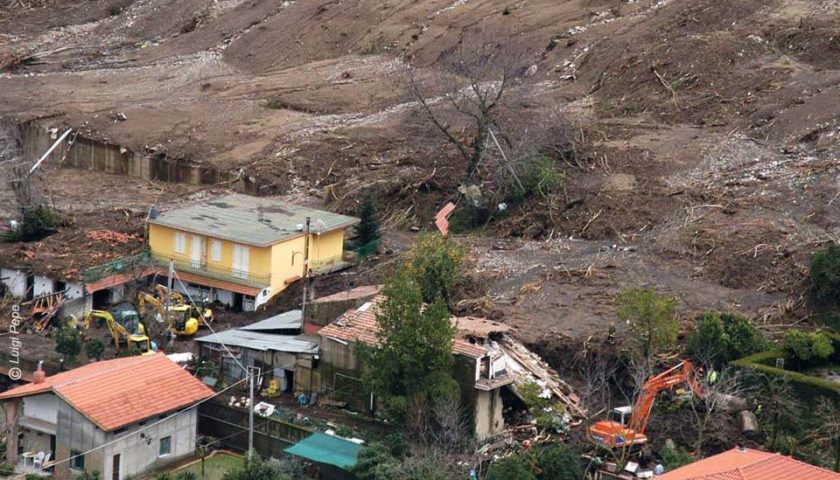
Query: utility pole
x,y
170,284
305,269
251,371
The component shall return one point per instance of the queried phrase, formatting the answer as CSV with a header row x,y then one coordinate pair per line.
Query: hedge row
x,y
805,384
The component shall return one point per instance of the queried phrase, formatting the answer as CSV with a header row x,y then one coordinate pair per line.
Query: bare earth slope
x,y
712,128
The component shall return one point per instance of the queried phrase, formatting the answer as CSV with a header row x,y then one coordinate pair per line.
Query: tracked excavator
x,y
125,327
626,425
181,318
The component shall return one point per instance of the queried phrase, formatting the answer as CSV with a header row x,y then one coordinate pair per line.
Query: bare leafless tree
x,y
466,97
450,431
777,406
827,435
712,411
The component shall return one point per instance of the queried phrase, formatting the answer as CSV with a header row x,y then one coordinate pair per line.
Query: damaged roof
x,y
115,393
257,221
360,325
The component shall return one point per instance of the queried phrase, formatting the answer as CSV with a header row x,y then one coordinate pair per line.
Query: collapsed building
x,y
489,364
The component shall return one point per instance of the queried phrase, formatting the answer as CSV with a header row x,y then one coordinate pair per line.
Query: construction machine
x,y
626,425
125,328
181,319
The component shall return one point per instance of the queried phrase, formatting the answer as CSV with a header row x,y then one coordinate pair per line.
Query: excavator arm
x,y
682,373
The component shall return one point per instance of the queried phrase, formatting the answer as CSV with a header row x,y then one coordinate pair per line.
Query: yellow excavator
x,y
181,318
125,329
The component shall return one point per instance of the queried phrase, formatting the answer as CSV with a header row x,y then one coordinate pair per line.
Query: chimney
x,y
39,376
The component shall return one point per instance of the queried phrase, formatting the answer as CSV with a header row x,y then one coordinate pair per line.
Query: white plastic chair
x,y
38,461
40,465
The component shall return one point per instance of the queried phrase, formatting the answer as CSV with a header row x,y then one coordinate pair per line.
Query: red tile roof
x,y
360,325
747,464
116,393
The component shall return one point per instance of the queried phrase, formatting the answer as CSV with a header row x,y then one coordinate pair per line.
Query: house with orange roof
x,y
120,417
487,363
748,464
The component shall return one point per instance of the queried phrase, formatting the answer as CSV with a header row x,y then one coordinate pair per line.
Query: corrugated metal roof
x,y
284,321
261,341
258,221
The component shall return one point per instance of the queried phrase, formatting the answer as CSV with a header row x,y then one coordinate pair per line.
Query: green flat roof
x,y
258,221
326,449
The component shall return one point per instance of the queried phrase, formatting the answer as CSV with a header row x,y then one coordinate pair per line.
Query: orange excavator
x,y
626,426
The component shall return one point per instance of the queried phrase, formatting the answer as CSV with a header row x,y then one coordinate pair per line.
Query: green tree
x,y
825,276
413,353
256,468
721,337
436,264
651,319
95,348
367,230
515,467
68,343
559,462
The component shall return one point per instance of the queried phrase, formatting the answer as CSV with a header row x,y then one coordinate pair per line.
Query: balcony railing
x,y
183,263
134,264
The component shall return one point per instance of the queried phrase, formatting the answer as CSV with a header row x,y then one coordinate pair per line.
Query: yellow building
x,y
242,250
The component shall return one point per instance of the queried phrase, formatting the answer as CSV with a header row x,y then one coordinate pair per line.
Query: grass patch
x,y
215,466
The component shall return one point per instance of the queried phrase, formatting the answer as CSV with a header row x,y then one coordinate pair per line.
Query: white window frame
x,y
241,261
169,449
216,250
180,242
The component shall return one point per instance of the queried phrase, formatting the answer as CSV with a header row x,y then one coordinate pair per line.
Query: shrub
x,y
276,104
35,224
88,475
256,469
6,469
68,343
511,468
558,462
186,475
95,348
541,177
163,476
545,414
825,276
805,348
722,337
468,217
675,458
375,462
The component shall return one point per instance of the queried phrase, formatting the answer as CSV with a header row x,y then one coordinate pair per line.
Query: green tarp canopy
x,y
326,449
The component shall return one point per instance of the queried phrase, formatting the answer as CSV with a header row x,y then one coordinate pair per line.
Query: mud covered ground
x,y
708,130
